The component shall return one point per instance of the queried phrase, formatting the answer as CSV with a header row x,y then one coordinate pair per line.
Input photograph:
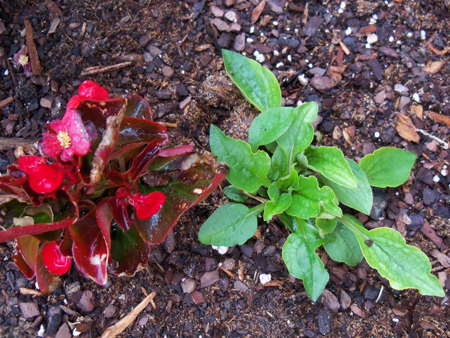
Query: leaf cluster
x,y
304,185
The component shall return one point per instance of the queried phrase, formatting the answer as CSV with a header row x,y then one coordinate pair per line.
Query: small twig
x,y
259,199
430,40
169,125
126,321
11,71
25,291
228,272
107,68
344,48
13,143
442,143
5,102
32,50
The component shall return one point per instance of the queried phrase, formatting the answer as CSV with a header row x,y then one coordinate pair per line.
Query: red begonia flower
x,y
42,177
147,205
71,137
88,90
54,260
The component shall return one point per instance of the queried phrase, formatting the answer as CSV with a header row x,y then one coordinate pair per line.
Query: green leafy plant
x,y
105,187
304,186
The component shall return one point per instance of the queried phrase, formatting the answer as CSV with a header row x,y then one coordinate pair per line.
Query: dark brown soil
x,y
174,49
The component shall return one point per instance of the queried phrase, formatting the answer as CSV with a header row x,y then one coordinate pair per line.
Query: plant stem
x,y
259,199
343,220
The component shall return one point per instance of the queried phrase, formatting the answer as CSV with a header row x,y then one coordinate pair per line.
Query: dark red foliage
x,y
106,187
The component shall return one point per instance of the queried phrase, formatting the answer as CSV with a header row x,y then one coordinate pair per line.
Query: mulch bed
x,y
379,71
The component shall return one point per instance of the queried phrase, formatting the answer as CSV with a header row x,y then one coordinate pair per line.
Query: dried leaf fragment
x,y
406,128
257,11
417,110
438,117
433,67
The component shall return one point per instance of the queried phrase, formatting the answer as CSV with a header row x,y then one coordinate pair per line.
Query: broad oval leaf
x,y
128,251
388,167
184,188
309,200
359,198
299,254
235,194
137,107
269,126
300,133
229,225
28,247
248,171
258,84
330,163
345,248
403,265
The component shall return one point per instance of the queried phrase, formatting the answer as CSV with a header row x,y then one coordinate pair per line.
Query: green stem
x,y
259,199
344,221
257,210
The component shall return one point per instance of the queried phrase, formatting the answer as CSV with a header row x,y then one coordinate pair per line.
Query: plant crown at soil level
x,y
304,185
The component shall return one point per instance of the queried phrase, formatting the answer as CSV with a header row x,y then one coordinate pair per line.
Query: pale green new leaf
x,y
325,225
345,248
279,164
278,203
330,163
300,133
388,167
258,84
248,171
299,254
229,225
359,198
403,265
269,126
309,200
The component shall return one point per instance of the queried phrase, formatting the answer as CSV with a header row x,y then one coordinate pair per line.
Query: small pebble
x,y
265,278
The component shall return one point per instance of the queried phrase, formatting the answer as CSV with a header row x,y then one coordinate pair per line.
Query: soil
x,y
393,91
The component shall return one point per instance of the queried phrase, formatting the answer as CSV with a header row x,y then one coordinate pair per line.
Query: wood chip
x,y
433,67
257,11
25,291
438,117
344,48
32,51
417,110
441,257
406,128
5,102
126,321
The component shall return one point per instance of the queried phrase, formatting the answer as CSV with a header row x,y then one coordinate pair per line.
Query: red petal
x,y
50,145
48,183
93,91
53,260
74,101
151,204
28,163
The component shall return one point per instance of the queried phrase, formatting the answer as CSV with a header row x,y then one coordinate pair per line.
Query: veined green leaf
x,y
359,198
229,225
289,182
330,163
325,225
345,248
248,171
301,259
388,167
269,126
235,194
278,203
279,165
309,199
300,133
258,84
403,265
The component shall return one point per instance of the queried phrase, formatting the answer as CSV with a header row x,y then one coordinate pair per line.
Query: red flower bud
x,y
54,260
147,206
88,90
42,177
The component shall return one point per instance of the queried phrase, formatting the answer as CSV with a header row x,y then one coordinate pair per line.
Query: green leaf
x,y
359,198
279,202
289,182
301,259
403,265
248,171
235,194
258,84
345,248
388,167
325,225
279,164
269,125
300,133
289,221
330,163
229,225
309,200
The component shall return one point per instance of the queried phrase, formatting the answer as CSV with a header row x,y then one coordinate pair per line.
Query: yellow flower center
x,y
64,139
23,60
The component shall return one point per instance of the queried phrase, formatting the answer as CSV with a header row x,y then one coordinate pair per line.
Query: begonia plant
x,y
104,188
